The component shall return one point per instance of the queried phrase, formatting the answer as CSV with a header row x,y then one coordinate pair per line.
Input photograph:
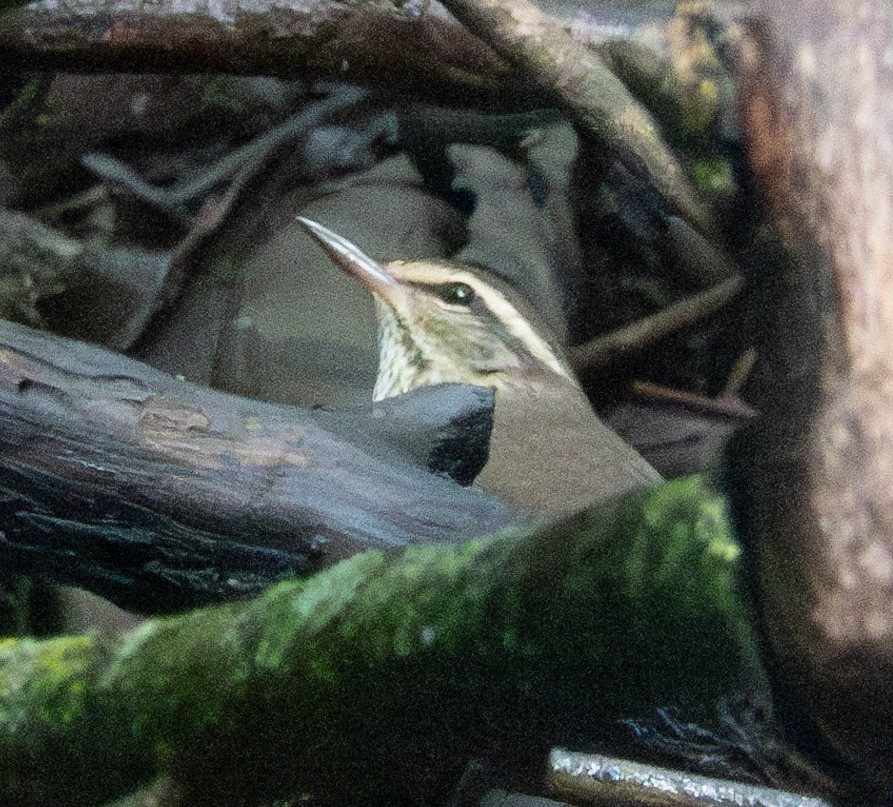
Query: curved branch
x,y
604,108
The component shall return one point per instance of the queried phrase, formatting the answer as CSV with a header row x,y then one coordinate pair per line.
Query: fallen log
x,y
382,677
371,41
161,494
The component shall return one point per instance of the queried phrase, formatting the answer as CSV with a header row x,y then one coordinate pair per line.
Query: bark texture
x,y
159,494
368,41
596,99
819,120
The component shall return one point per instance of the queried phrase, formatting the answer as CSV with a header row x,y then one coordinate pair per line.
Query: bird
x,y
441,322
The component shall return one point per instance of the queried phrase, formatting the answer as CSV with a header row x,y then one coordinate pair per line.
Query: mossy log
x,y
387,673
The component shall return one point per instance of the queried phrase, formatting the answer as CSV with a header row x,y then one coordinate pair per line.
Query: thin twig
x,y
728,407
611,347
740,373
174,199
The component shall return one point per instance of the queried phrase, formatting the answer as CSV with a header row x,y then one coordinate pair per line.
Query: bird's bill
x,y
353,260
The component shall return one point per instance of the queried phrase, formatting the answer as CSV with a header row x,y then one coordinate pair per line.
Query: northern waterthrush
x,y
441,322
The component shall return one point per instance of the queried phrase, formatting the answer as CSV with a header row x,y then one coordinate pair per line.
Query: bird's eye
x,y
455,293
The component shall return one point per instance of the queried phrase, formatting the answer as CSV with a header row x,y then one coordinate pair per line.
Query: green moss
x,y
700,106
7,646
299,610
714,176
47,679
552,631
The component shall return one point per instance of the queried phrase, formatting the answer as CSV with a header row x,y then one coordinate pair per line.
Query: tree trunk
x,y
818,111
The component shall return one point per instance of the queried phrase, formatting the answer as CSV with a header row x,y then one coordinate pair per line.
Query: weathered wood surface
x,y
604,109
158,493
351,41
509,51
818,113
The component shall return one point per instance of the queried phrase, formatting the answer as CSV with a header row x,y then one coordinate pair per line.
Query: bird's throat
x,y
403,363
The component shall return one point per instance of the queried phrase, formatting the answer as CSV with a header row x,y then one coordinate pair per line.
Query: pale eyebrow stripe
x,y
501,308
520,329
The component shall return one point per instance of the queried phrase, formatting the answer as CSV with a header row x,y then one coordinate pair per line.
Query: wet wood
x,y
158,494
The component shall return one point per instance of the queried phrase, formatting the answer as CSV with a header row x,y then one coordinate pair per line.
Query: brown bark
x,y
593,96
819,120
369,41
158,494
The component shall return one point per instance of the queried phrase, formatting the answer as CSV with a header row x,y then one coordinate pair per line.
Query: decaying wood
x,y
381,677
819,121
369,41
160,494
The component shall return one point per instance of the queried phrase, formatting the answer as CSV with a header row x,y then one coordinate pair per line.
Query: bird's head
x,y
441,322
